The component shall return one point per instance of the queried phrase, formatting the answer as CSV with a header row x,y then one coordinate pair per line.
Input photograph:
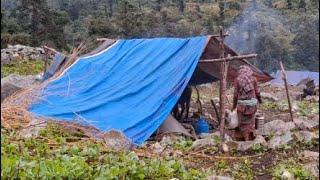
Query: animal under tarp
x,y
131,86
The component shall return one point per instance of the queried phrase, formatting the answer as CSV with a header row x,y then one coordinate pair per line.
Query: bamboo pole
x,y
229,58
284,77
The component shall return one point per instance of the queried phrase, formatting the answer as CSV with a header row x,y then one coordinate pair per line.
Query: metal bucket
x,y
259,121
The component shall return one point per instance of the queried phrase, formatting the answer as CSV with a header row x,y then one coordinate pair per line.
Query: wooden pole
x,y
103,39
223,79
229,58
46,57
284,77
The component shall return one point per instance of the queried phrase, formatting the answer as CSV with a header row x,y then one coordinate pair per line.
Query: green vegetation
x,y
183,144
257,148
307,108
22,67
293,167
270,105
242,169
35,158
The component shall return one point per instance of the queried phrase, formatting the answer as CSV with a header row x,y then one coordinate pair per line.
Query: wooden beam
x,y
284,77
218,35
103,39
232,58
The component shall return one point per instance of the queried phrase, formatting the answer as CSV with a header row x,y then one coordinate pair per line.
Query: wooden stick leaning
x,y
284,77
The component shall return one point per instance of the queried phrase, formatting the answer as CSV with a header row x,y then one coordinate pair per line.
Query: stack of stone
x,y
18,52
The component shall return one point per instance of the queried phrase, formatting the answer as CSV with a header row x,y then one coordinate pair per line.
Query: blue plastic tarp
x,y
131,86
294,77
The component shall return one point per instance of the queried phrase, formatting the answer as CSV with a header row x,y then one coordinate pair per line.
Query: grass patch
x,y
307,108
293,167
22,67
30,158
241,169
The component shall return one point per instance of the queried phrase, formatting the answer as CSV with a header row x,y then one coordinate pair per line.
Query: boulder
x,y
275,127
312,98
117,141
287,175
313,168
269,97
200,143
33,129
303,123
246,145
157,148
5,58
212,139
280,140
305,136
20,80
7,90
310,156
13,83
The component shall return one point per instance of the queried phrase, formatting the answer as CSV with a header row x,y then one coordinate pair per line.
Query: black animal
x,y
184,103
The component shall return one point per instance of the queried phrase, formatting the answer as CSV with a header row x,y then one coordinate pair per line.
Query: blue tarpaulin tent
x,y
131,86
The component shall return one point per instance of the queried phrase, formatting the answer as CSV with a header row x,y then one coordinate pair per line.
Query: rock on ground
x,y
303,123
276,127
117,141
7,90
305,136
310,156
209,140
34,128
287,175
269,97
13,83
157,148
280,140
313,168
246,145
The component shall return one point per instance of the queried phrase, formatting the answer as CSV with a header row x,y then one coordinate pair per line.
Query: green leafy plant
x,y
183,144
308,108
32,158
293,167
258,148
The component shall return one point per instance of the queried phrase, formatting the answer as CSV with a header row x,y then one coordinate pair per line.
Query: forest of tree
x,y
63,24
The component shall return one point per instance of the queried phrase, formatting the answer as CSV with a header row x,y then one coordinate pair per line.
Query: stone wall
x,y
18,52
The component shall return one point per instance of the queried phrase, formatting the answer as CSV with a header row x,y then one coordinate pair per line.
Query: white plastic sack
x,y
232,119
